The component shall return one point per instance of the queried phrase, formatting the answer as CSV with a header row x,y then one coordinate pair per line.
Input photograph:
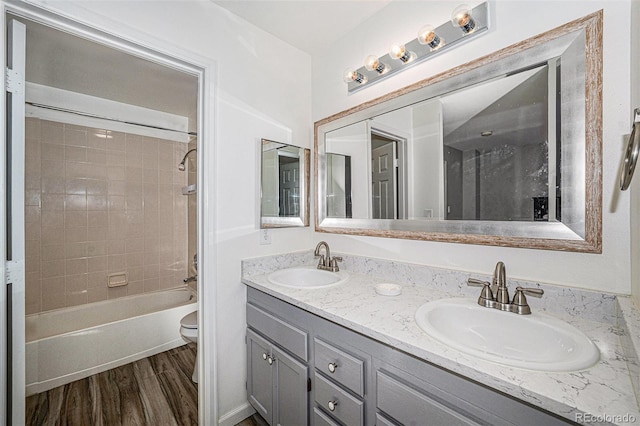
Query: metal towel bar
x,y
631,156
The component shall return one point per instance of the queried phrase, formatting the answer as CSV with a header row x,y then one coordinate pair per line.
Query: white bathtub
x,y
73,343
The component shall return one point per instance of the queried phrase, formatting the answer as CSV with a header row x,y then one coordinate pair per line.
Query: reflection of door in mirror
x,y
498,147
289,184
384,179
339,186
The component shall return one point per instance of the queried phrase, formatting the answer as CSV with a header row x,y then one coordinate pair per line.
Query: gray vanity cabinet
x,y
277,383
359,381
259,375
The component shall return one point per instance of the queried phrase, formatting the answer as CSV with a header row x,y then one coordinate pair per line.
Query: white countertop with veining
x,y
602,392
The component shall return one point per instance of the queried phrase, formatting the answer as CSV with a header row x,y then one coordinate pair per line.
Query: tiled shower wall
x,y
97,203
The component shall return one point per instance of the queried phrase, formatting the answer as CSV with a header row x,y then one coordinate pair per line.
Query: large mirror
x,y
505,150
284,185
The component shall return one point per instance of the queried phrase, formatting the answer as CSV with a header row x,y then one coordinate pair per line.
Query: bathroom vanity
x,y
300,364
344,355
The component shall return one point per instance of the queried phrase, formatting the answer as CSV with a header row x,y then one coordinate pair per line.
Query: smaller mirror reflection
x,y
284,185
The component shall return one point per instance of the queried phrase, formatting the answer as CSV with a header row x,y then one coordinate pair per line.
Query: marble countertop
x,y
602,394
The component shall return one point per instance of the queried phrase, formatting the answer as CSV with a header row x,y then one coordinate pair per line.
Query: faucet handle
x,y
333,263
520,304
486,295
474,282
537,292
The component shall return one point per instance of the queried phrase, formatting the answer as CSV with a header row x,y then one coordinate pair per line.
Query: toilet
x,y
189,332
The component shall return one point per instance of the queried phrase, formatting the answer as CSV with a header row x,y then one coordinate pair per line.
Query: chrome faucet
x,y
326,262
496,294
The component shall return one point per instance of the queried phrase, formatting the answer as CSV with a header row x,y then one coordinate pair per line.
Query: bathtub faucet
x,y
190,279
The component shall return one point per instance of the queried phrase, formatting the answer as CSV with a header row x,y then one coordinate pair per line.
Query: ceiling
x,y
305,23
512,108
64,61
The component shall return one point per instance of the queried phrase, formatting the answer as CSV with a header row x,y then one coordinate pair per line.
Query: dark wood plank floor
x,y
153,391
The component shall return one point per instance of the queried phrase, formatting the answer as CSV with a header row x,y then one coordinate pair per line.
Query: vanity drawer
x,y
347,370
408,406
348,409
287,336
321,419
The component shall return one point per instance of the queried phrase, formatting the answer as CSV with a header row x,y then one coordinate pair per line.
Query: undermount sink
x,y
307,277
534,342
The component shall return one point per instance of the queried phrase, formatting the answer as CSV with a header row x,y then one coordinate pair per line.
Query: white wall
x,y
262,90
352,141
512,21
635,187
426,183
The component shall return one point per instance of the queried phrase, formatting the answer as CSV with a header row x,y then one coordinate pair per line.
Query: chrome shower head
x,y
181,165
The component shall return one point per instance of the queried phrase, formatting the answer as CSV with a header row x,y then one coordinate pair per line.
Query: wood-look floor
x,y
255,420
153,391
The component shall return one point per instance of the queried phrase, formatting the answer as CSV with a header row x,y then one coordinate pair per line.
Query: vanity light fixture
x,y
461,17
398,51
428,36
354,76
372,63
467,23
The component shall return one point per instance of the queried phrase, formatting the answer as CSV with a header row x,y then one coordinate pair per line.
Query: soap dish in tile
x,y
388,289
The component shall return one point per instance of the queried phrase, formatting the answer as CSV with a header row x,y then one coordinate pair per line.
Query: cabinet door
x,y
259,375
292,398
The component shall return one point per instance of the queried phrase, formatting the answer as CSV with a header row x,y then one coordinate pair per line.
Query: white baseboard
x,y
236,415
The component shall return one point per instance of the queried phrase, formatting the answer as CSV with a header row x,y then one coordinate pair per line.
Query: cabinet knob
x,y
332,405
332,367
264,356
270,360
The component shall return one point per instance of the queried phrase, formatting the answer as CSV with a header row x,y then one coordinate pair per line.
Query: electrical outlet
x,y
265,237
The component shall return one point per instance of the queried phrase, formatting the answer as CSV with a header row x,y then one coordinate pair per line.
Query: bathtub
x,y
73,343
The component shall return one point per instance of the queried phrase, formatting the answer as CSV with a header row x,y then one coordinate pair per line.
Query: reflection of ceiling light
x,y
487,133
104,135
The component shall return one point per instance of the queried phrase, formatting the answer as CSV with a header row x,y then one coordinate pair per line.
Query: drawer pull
x,y
332,367
264,356
270,360
332,405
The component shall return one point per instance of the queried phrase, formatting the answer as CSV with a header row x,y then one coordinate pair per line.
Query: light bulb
x,y
461,17
398,51
372,63
353,75
427,35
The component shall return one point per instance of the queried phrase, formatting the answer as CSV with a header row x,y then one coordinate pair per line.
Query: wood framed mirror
x,y
284,185
505,150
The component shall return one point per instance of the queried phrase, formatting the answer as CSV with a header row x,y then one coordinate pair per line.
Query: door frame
x,y
165,54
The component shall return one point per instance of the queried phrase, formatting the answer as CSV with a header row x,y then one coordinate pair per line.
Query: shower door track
x,y
86,114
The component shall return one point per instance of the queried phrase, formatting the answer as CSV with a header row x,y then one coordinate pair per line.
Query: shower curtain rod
x,y
86,114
